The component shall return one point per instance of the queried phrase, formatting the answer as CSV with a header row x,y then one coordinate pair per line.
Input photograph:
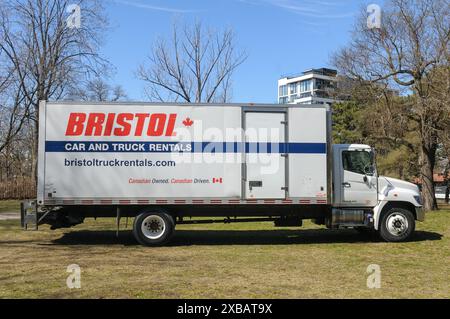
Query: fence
x,y
18,188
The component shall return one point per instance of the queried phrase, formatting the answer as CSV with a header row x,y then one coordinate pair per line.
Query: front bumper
x,y
420,213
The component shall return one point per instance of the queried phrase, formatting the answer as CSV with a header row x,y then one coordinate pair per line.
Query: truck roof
x,y
268,105
362,146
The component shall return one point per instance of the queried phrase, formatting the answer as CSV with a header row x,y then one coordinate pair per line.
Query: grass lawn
x,y
224,261
9,206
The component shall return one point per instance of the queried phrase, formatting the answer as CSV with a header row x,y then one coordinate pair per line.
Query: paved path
x,y
9,216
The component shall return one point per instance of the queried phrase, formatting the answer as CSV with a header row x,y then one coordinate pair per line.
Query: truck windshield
x,y
360,162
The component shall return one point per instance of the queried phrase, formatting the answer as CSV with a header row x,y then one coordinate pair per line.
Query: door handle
x,y
346,185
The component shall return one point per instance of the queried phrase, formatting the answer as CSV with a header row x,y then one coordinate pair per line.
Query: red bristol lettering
x,y
121,124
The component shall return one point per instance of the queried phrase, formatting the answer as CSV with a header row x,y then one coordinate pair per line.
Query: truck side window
x,y
359,162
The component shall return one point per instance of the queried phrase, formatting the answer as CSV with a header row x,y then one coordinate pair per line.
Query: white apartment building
x,y
310,87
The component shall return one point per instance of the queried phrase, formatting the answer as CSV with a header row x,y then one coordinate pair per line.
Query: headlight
x,y
418,199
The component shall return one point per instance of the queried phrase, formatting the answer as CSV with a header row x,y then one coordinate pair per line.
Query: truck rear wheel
x,y
153,228
397,224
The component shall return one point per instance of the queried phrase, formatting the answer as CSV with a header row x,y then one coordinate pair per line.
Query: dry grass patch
x,y
9,206
224,261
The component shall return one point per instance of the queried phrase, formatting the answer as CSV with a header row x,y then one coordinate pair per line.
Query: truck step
x,y
29,218
288,221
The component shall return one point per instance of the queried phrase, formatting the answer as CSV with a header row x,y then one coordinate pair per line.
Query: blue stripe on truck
x,y
190,147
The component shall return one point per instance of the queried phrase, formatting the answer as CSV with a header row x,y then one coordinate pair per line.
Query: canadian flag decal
x,y
217,180
188,122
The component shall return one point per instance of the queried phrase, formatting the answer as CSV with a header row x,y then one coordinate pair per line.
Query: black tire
x,y
153,228
397,224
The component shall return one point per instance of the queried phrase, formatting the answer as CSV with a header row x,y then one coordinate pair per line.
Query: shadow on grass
x,y
234,237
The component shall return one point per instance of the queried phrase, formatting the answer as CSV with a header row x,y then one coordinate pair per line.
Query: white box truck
x,y
165,163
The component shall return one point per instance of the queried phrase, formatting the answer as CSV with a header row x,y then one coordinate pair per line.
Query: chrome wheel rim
x,y
153,227
397,224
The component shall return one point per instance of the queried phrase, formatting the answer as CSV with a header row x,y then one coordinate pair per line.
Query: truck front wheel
x,y
397,224
153,228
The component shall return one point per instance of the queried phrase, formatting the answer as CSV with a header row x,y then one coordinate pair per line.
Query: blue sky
x,y
279,36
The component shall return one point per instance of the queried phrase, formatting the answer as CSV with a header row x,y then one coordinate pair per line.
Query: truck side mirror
x,y
369,170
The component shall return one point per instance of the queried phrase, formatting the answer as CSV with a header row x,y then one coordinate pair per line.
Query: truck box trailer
x,y
163,163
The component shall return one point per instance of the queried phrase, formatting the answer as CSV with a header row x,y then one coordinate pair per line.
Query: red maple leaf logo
x,y
188,122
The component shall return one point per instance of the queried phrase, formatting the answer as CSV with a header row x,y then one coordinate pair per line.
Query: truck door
x,y
358,181
265,159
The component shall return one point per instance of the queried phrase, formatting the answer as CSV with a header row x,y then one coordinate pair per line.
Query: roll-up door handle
x,y
252,184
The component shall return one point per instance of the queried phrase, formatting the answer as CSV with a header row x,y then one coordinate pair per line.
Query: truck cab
x,y
362,199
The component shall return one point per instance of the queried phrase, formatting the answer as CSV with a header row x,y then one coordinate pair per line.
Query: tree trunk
x,y
428,159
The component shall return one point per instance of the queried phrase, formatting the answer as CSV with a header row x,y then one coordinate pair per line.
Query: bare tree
x,y
412,42
48,54
195,66
14,107
118,94
99,90
440,92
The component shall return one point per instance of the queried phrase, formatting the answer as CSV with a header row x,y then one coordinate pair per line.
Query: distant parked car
x,y
439,192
